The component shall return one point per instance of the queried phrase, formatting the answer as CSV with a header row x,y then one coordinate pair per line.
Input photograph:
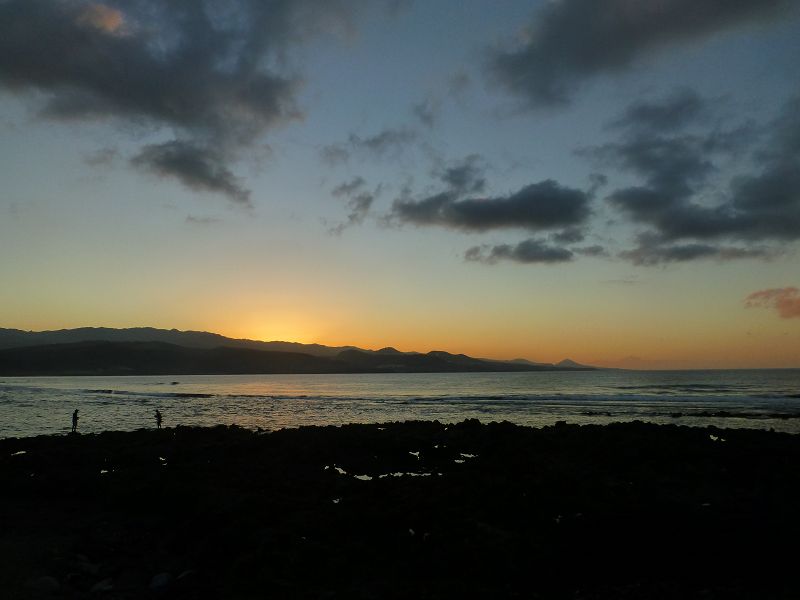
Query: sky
x,y
613,181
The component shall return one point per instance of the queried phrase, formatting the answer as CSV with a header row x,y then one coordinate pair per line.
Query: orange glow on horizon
x,y
746,339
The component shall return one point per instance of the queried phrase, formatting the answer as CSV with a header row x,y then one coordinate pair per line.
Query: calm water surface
x,y
758,399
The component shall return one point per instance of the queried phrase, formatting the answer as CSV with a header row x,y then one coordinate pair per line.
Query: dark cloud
x,y
597,181
785,141
102,157
784,300
192,220
570,235
348,188
334,155
594,251
543,206
675,169
358,201
528,252
458,85
767,205
207,70
383,142
389,142
466,176
538,206
427,112
396,7
652,251
571,41
359,206
681,108
196,167
668,164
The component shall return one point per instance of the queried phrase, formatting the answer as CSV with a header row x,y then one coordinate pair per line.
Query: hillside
x,y
158,358
16,338
148,350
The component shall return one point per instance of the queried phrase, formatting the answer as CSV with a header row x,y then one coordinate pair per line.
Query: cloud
x,y
196,167
466,176
334,154
571,235
458,85
386,142
348,188
208,71
597,181
542,206
675,169
527,252
427,111
102,157
102,17
538,206
682,107
573,41
652,251
669,165
192,220
396,7
785,300
359,202
594,251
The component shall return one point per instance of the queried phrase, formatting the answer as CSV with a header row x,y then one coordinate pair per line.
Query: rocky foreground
x,y
404,510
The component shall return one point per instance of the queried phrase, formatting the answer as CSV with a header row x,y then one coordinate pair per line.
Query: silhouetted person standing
x,y
75,421
158,419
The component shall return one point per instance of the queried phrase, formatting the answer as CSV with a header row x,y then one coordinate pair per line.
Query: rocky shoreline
x,y
402,510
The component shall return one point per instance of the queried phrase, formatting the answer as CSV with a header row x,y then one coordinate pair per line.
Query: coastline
x,y
400,510
33,406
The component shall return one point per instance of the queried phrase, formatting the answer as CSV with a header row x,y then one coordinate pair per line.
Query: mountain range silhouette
x,y
151,351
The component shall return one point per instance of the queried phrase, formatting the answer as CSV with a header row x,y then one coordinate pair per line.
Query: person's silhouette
x,y
158,419
75,421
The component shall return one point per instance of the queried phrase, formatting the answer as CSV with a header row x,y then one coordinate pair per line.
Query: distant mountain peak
x,y
568,363
388,350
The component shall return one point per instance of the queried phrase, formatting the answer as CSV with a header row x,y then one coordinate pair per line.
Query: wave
x,y
648,396
687,388
151,394
704,414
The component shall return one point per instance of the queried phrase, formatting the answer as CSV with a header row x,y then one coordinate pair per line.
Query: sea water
x,y
760,399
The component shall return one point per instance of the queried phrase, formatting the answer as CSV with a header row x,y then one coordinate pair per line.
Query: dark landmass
x,y
406,510
524,361
17,338
376,359
435,361
158,358
155,358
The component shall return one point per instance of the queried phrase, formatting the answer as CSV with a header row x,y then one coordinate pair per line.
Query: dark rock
x,y
531,513
44,585
105,585
161,581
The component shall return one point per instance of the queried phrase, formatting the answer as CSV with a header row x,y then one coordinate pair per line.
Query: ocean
x,y
761,399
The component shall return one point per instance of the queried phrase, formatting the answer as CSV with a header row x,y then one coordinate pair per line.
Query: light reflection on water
x,y
43,405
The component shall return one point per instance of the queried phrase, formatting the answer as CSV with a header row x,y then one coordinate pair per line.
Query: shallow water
x,y
758,399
